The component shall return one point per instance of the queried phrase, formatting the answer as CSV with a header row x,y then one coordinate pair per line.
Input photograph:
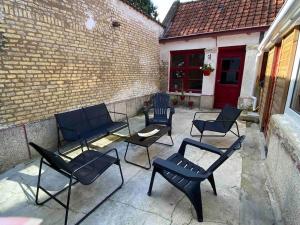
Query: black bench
x,y
80,127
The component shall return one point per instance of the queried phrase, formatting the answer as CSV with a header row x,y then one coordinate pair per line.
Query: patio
x,y
243,196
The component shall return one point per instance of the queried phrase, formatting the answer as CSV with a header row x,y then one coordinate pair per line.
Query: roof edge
x,y
212,34
141,11
171,13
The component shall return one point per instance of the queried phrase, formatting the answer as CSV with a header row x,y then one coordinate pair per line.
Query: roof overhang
x,y
214,34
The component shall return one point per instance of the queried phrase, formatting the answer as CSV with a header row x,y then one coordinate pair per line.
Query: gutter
x,y
216,33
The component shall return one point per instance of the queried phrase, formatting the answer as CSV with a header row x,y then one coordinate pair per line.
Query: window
x,y
295,103
185,73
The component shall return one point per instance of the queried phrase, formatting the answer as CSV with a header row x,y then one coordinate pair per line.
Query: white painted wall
x,y
211,45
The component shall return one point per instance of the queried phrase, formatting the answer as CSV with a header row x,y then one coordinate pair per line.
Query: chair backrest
x,y
161,103
229,113
72,120
235,146
97,116
55,160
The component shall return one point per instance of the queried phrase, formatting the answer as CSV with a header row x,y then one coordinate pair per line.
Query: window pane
x,y
177,60
177,74
196,59
195,78
230,77
195,84
176,85
231,64
295,105
195,74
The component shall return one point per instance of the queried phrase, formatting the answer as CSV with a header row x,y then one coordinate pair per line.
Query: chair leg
x,y
38,184
212,182
201,136
151,182
68,201
129,131
191,129
196,200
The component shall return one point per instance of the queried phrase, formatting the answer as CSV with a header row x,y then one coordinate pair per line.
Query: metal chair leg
x,y
151,182
68,201
132,163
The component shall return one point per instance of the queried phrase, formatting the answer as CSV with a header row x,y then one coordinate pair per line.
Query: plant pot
x,y
175,102
190,104
182,97
206,72
146,103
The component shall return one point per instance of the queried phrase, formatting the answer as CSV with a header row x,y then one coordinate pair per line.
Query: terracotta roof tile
x,y
207,16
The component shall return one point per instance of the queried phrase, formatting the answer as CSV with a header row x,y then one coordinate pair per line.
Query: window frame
x,y
295,72
186,69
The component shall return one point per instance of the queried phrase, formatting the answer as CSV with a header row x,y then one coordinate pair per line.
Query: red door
x,y
229,75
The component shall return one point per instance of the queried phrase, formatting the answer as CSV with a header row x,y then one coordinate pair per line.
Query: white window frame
x,y
296,70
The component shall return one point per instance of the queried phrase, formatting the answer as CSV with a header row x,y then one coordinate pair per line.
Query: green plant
x,y
207,67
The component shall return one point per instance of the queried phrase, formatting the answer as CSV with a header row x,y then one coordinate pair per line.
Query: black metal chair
x,y
85,168
222,124
187,176
161,106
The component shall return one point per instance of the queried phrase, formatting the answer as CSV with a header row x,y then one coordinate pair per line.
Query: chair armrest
x,y
147,109
178,170
200,145
196,113
95,159
124,114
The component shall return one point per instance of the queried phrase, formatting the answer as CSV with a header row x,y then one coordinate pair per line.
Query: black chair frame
x,y
201,135
73,181
181,177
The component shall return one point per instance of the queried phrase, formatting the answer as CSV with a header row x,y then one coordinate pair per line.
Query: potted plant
x,y
207,69
174,101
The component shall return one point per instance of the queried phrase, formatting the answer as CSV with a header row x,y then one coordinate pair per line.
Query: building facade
x,y
223,34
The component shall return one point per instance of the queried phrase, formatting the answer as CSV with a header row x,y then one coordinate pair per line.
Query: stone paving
x,y
131,205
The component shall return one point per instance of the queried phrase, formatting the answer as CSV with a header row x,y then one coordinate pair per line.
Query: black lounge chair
x,y
85,168
187,176
223,124
161,106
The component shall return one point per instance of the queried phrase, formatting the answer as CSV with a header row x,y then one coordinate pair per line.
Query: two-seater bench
x,y
80,127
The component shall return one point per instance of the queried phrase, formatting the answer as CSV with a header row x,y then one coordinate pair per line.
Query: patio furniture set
x,y
79,128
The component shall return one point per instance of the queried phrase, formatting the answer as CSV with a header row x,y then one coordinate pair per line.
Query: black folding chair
x,y
187,176
222,124
160,107
85,168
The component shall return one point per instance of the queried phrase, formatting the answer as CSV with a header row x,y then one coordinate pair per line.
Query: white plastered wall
x,y
211,45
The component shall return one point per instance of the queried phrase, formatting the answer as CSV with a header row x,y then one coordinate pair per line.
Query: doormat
x,y
103,142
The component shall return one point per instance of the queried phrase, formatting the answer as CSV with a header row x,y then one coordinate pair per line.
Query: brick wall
x,y
53,63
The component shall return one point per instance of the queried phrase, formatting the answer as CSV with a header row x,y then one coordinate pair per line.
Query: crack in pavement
x,y
153,213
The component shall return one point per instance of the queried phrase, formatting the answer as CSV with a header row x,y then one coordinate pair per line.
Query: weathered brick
x,y
52,63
